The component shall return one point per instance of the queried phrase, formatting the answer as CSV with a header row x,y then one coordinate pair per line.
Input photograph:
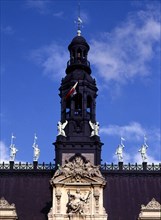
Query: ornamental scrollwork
x,y
77,168
153,204
5,204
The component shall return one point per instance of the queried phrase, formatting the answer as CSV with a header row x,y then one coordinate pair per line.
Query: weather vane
x,y
79,22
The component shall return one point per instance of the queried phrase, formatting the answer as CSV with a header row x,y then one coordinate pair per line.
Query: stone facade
x,y
77,191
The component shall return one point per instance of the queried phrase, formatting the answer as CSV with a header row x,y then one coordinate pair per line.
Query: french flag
x,y
72,91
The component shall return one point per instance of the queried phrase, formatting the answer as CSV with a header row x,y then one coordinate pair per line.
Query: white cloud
x,y
132,131
150,159
52,58
4,152
59,14
85,17
119,56
135,158
127,51
39,5
8,30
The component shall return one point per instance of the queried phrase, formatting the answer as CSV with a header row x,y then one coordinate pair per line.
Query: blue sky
x,y
124,39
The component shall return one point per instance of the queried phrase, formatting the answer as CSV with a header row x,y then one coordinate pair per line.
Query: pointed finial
x,y
79,22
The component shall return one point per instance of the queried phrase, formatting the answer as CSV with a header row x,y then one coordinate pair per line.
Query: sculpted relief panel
x,y
78,203
152,211
67,156
77,191
7,211
77,168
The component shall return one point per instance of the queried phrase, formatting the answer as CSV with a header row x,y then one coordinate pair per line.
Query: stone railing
x,y
104,167
131,167
26,166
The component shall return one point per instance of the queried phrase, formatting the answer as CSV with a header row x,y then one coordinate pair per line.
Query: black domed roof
x,y
78,40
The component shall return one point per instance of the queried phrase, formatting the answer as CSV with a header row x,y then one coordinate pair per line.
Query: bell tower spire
x,y
79,22
78,130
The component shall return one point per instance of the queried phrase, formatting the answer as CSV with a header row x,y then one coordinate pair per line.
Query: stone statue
x,y
119,150
60,127
76,202
36,149
92,170
143,150
95,128
13,149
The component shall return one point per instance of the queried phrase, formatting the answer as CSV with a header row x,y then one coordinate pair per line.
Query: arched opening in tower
x,y
89,106
78,104
68,108
79,55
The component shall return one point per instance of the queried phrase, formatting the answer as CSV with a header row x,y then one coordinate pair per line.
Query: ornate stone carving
x,y
5,204
61,127
151,211
50,214
58,197
77,202
96,196
7,211
77,191
153,204
95,128
77,168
